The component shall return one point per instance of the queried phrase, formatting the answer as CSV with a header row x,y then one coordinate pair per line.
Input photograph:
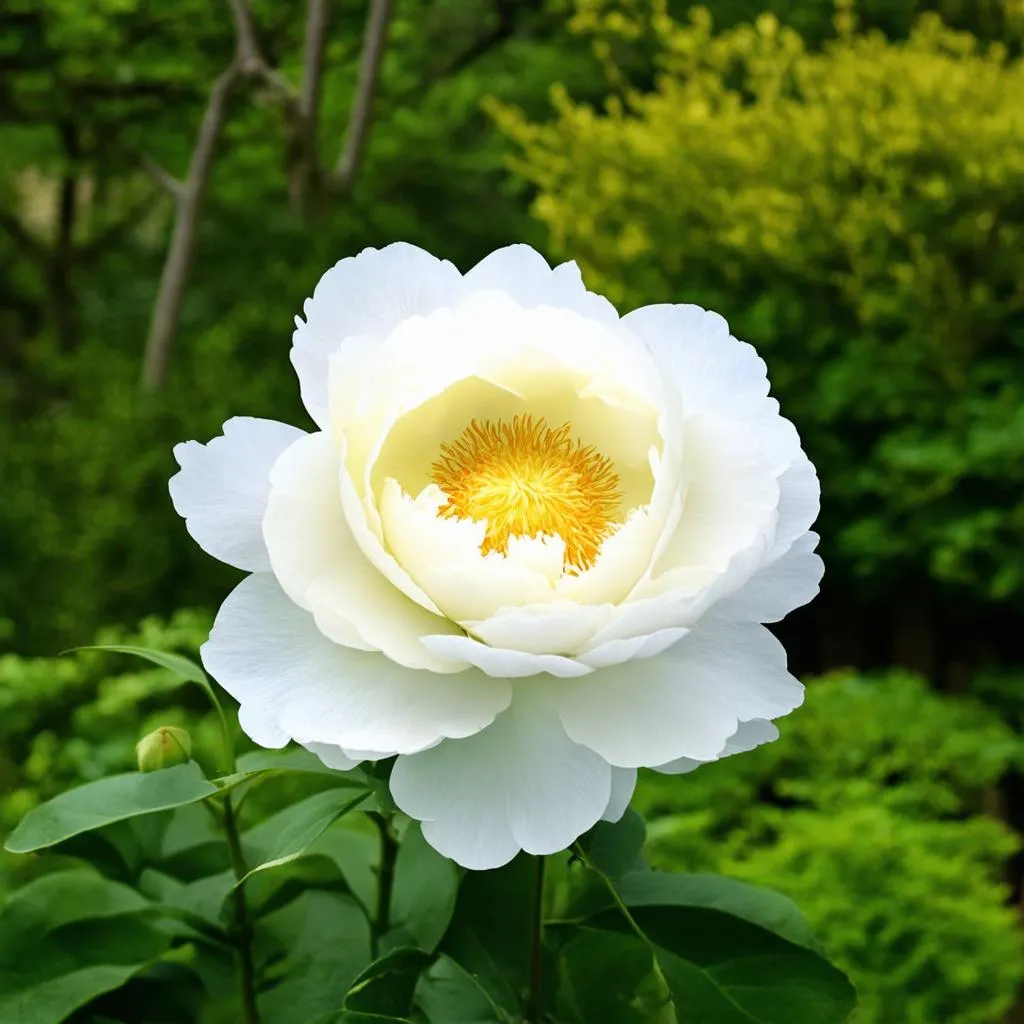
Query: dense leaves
x,y
894,332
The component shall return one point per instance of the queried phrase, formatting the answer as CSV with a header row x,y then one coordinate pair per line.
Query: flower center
x,y
527,480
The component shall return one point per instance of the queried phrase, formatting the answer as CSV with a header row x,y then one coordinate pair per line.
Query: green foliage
x,y
76,718
856,212
868,813
175,894
93,455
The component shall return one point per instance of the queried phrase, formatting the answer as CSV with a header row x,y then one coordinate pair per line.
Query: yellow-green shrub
x,y
857,213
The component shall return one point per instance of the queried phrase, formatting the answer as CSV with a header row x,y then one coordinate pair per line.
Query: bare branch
x,y
167,182
247,51
374,39
313,58
167,311
301,127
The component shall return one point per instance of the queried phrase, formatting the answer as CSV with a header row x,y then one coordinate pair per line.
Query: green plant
x,y
869,811
857,210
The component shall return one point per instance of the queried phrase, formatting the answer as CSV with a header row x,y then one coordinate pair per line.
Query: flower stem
x,y
535,1006
385,880
616,898
243,927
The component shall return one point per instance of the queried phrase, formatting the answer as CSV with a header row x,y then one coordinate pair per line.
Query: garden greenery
x,y
896,331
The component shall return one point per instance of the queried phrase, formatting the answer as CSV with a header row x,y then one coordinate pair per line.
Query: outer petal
x,y
322,568
774,591
623,784
747,736
521,272
521,784
367,294
714,372
294,683
333,757
222,487
686,703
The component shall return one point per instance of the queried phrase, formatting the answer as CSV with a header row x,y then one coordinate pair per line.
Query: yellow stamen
x,y
527,480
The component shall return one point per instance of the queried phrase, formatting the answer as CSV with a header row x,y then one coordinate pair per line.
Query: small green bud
x,y
163,748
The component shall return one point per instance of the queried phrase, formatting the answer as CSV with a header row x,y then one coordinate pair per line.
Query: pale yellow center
x,y
526,480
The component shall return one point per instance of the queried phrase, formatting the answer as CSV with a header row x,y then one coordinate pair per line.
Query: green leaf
x,y
386,987
449,994
764,907
61,898
106,801
318,943
730,952
614,978
53,1001
286,835
186,670
425,889
67,938
491,929
614,847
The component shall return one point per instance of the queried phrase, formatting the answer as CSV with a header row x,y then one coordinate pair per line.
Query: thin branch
x,y
167,311
313,60
301,128
247,51
167,182
374,39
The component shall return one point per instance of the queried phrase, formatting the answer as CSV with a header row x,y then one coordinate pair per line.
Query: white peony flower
x,y
527,548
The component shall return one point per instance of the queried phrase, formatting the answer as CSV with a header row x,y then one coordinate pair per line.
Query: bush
x,y
73,719
868,813
857,213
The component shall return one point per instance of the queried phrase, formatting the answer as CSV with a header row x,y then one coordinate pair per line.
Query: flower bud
x,y
163,748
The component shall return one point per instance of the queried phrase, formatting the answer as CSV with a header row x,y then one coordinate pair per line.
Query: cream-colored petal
x,y
502,663
318,563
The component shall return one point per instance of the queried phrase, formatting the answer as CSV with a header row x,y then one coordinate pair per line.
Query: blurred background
x,y
845,183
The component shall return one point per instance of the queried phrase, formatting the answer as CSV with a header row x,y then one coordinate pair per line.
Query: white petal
x,y
732,496
521,784
520,271
747,736
333,757
686,703
221,489
623,784
292,682
443,557
320,566
368,294
614,652
714,372
775,590
560,627
504,664
799,504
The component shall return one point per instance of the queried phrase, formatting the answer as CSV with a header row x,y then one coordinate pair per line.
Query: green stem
x,y
616,898
243,927
385,880
535,1005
